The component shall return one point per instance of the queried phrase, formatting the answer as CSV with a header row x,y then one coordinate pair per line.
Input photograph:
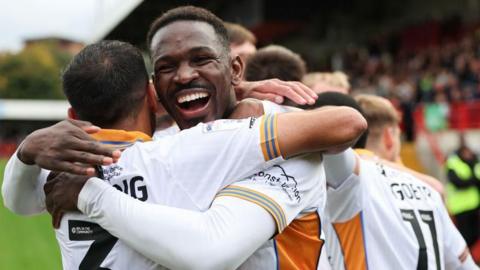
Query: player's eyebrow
x,y
201,49
194,50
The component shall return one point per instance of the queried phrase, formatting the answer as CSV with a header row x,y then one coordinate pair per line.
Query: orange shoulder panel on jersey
x,y
119,139
268,137
299,245
351,237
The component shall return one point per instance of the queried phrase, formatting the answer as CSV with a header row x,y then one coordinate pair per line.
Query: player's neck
x,y
143,122
131,125
375,148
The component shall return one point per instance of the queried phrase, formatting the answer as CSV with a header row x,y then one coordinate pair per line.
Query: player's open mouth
x,y
191,103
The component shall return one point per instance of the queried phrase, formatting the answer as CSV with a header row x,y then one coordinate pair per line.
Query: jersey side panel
x,y
299,246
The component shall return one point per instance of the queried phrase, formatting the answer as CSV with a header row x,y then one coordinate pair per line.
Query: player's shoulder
x,y
414,179
246,108
156,147
172,130
409,173
146,153
427,180
271,107
370,167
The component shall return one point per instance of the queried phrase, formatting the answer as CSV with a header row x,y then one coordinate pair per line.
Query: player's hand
x,y
61,191
62,146
276,91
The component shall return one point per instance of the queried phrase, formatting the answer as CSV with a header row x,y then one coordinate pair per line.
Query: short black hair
x,y
106,82
275,62
339,99
190,13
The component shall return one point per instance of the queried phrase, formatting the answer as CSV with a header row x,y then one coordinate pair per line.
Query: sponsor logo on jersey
x,y
79,230
252,122
221,125
111,171
277,176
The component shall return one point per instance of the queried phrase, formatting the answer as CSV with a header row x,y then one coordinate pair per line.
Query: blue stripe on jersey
x,y
276,253
263,201
272,136
364,238
267,137
319,237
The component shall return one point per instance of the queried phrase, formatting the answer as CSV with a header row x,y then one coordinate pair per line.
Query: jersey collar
x,y
120,139
364,152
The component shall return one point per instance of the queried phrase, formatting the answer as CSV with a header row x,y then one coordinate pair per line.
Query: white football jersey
x,y
186,170
385,218
300,199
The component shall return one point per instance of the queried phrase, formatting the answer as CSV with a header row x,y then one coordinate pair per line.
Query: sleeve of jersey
x,y
22,188
346,200
220,238
256,137
268,137
213,155
296,187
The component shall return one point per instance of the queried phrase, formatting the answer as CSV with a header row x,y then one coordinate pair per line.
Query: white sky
x,y
74,19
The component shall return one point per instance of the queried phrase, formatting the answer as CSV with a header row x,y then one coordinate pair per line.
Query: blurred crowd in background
x,y
448,73
431,77
435,79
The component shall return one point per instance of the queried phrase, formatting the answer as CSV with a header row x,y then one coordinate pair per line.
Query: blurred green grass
x,y
26,242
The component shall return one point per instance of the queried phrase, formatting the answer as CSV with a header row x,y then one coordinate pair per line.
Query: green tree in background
x,y
33,73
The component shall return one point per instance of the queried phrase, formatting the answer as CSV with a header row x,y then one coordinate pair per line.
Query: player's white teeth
x,y
190,97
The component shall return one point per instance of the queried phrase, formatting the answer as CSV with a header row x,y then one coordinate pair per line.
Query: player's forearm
x,y
330,129
22,188
220,238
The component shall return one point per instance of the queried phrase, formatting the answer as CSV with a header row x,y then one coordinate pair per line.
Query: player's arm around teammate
x,y
63,146
58,148
227,233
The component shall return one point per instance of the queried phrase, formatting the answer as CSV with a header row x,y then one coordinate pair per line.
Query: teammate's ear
x,y
152,97
238,67
72,114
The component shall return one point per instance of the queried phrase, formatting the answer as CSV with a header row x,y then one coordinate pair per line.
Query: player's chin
x,y
207,115
189,122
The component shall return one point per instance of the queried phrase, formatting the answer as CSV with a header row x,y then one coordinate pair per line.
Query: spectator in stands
x,y
436,113
327,81
275,62
463,197
242,41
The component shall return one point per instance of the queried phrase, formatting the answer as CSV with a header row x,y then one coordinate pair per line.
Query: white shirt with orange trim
x,y
300,199
287,192
291,192
385,218
186,171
